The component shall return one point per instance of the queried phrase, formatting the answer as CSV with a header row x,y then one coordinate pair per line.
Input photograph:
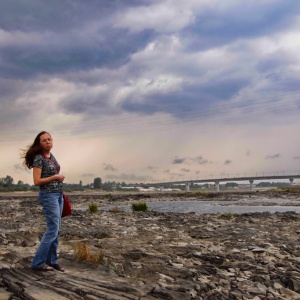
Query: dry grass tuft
x,y
82,252
228,215
115,210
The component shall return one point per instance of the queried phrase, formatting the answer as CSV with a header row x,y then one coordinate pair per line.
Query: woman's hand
x,y
60,177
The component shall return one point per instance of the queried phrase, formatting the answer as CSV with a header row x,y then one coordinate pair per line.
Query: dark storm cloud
x,y
64,36
200,160
89,104
65,39
111,50
59,15
8,92
297,157
227,162
109,167
190,160
284,80
185,170
189,97
274,61
275,156
215,26
278,69
178,161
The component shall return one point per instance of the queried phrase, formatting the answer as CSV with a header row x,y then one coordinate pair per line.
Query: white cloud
x,y
167,16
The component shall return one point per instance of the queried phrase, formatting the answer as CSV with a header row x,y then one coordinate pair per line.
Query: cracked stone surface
x,y
152,255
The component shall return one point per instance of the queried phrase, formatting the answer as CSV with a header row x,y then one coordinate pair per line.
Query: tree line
x,y
7,184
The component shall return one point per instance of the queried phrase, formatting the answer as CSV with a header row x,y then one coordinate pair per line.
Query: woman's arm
x,y
37,180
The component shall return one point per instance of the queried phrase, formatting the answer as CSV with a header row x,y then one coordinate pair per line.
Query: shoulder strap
x,y
52,162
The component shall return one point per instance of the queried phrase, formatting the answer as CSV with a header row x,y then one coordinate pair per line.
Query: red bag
x,y
67,209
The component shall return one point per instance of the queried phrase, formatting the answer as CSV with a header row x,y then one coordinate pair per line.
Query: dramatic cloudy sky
x,y
151,90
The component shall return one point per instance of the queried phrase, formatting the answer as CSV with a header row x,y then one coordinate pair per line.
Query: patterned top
x,y
48,170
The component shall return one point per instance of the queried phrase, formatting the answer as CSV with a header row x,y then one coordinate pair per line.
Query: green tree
x,y
8,181
97,183
20,183
231,185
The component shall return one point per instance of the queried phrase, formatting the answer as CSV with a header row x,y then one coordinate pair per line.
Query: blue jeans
x,y
52,204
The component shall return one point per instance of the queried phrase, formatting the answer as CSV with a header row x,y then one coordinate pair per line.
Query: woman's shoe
x,y
43,268
58,267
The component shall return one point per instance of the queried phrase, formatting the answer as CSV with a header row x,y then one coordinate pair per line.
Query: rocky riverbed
x,y
151,255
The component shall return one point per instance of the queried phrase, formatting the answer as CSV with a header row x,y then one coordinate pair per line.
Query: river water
x,y
214,207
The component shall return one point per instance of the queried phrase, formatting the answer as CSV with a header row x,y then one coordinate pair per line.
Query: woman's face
x,y
46,142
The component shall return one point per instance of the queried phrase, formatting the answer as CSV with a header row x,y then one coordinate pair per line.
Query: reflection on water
x,y
213,207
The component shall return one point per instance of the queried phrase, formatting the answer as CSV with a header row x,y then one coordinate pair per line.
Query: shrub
x,y
83,253
93,208
228,215
139,206
103,234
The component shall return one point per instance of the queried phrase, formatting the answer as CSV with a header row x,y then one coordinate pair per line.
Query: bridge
x,y
217,181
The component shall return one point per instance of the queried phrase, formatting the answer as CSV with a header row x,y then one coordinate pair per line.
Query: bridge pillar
x,y
217,184
187,186
291,181
251,184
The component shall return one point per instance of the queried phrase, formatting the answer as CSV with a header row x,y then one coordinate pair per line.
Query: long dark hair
x,y
32,151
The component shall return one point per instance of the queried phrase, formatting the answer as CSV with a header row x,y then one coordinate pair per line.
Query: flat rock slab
x,y
5,295
28,284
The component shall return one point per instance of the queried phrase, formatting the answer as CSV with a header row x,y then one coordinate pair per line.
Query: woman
x,y
46,176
